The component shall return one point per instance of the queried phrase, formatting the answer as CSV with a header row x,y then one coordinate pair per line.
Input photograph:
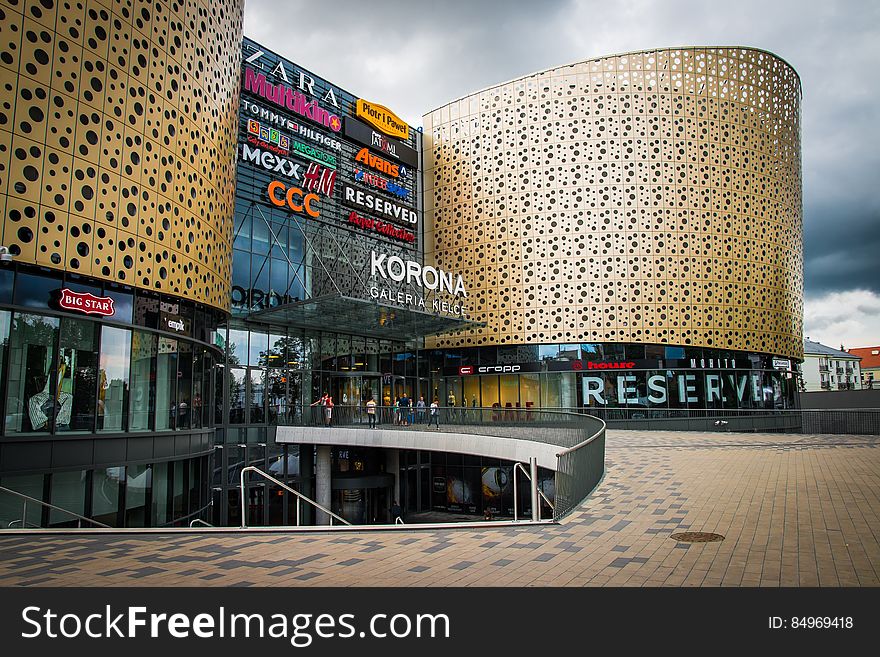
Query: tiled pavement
x,y
795,511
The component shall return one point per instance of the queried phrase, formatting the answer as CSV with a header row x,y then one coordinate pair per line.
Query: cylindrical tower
x,y
118,126
652,197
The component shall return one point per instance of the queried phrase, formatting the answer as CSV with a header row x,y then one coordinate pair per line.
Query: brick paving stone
x,y
794,510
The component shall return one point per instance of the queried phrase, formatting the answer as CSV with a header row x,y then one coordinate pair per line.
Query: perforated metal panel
x,y
651,197
117,139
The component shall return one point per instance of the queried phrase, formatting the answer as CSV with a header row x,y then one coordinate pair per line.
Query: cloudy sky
x,y
415,56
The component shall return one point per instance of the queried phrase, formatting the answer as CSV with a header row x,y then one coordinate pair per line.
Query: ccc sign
x,y
294,198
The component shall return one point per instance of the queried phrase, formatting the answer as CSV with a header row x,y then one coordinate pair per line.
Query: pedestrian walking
x,y
420,410
435,413
396,513
371,412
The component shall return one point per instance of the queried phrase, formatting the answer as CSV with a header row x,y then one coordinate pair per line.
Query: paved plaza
x,y
795,510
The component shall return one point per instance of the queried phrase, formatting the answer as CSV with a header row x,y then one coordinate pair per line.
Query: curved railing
x,y
581,436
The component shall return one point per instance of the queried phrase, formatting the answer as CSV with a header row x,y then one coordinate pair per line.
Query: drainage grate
x,y
697,537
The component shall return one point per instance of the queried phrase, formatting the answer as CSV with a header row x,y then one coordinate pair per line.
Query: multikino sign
x,y
395,268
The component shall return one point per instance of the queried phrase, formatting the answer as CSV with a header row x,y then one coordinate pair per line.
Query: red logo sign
x,y
577,365
628,365
466,370
87,303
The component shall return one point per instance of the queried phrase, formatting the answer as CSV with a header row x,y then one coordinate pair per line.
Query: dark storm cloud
x,y
416,56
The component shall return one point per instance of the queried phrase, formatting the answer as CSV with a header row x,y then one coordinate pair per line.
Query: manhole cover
x,y
697,537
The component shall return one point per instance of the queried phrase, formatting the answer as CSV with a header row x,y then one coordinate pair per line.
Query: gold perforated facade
x,y
118,123
650,197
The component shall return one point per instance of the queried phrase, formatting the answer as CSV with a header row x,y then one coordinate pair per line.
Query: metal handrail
x,y
299,498
516,491
201,522
28,498
584,442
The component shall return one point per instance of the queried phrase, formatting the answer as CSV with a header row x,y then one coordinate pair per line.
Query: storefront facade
x,y
116,198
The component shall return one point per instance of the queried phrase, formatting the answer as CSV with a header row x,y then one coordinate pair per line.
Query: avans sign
x,y
293,100
85,302
399,270
294,198
381,118
382,166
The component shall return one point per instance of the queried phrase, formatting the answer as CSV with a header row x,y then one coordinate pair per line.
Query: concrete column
x,y
306,471
392,466
323,490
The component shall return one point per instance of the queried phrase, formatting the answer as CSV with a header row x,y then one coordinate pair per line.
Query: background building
x,y
869,366
638,211
117,137
826,368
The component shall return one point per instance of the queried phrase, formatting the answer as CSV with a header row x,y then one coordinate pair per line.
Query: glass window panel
x,y
257,396
138,483
105,495
143,385
259,348
35,291
277,395
166,384
31,402
123,305
530,391
238,347
180,489
113,379
161,493
509,390
7,276
77,376
490,390
471,391
237,395
184,385
11,507
68,491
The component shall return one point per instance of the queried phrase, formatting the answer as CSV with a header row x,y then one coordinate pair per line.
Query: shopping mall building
x,y
202,237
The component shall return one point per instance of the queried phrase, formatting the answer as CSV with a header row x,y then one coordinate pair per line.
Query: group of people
x,y
405,413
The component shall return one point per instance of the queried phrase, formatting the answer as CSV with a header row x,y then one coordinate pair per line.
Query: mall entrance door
x,y
351,393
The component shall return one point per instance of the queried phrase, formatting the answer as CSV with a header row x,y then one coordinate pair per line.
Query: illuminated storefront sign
x,y
385,228
271,162
295,198
411,272
86,303
268,116
319,179
381,118
304,81
658,389
357,198
365,135
380,183
268,134
290,99
382,166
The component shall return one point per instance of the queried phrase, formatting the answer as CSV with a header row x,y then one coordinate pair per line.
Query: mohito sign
x,y
381,118
365,135
290,99
87,303
358,198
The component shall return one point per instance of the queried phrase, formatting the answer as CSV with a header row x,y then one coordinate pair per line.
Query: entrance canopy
x,y
362,317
